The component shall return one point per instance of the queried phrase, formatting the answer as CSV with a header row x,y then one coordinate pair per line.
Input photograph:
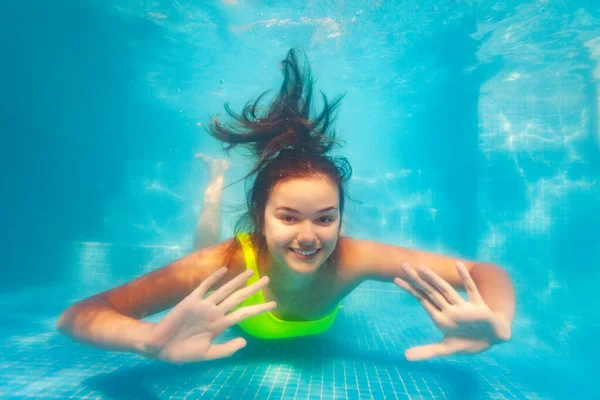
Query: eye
x,y
325,220
288,218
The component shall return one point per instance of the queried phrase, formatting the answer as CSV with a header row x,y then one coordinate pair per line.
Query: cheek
x,y
332,243
276,233
332,233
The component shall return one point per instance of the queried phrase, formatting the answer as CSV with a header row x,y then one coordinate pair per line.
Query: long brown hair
x,y
285,142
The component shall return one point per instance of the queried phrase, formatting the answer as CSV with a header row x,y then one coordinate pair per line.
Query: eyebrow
x,y
298,212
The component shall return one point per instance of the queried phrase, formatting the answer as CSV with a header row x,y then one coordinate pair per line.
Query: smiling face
x,y
301,224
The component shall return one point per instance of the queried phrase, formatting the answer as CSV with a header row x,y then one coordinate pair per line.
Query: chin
x,y
303,269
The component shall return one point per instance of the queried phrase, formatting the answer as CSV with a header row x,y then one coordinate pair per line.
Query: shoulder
x,y
366,259
363,259
354,251
227,253
168,285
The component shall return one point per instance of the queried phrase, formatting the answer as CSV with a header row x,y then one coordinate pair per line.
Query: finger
x,y
436,297
424,300
225,349
247,312
206,284
440,285
425,352
239,296
227,289
470,286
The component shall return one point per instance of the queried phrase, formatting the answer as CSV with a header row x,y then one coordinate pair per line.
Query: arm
x,y
383,262
96,322
111,320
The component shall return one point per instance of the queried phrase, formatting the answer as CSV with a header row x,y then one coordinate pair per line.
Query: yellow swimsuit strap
x,y
266,325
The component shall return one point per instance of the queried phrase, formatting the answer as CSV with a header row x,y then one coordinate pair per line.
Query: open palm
x,y
186,333
468,326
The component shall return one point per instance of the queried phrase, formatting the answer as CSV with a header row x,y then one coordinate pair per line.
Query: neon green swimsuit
x,y
266,325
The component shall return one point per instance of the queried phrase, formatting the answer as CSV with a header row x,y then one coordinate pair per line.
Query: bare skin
x,y
208,226
301,217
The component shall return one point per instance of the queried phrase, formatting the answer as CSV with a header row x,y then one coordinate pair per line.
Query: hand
x,y
186,332
468,326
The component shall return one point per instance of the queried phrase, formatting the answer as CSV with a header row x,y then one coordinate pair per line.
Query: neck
x,y
289,281
283,280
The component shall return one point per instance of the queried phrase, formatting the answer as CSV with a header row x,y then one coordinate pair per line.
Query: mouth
x,y
305,254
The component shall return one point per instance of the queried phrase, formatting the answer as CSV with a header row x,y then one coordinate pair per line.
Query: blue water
x,y
472,128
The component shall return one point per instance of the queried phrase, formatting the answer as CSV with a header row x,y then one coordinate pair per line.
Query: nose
x,y
306,234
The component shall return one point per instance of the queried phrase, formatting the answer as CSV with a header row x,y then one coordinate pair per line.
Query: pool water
x,y
360,357
472,128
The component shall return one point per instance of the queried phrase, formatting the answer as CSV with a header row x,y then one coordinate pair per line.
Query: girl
x,y
289,239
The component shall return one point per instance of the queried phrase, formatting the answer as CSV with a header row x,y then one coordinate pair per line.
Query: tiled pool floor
x,y
361,357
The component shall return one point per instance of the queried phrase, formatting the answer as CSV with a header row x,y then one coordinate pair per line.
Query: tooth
x,y
304,253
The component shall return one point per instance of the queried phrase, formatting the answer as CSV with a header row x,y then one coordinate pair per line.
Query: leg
x,y
208,227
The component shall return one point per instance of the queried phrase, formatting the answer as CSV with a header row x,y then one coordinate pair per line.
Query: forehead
x,y
315,192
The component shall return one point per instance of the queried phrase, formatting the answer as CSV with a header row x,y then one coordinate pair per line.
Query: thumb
x,y
425,352
225,349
